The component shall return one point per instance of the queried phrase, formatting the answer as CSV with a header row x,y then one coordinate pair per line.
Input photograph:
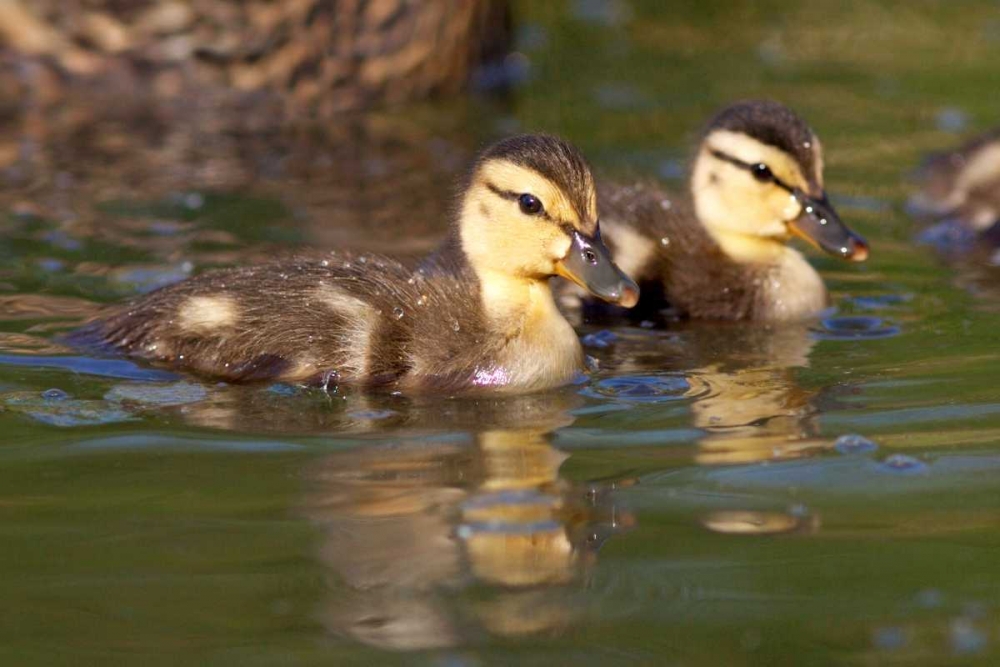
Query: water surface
x,y
694,503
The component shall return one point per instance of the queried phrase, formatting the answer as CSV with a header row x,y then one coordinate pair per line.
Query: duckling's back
x,y
363,319
311,321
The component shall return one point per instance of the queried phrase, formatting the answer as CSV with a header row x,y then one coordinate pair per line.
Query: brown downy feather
x,y
282,329
684,269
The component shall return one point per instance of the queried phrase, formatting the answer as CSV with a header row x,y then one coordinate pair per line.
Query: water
x,y
693,503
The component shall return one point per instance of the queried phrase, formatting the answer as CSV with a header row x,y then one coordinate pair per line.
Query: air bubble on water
x,y
194,200
852,443
890,638
54,395
966,637
903,464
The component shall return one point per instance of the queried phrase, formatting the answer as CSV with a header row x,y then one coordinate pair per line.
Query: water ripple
x,y
854,328
646,388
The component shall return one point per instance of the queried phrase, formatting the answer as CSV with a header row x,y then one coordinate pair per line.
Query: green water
x,y
687,506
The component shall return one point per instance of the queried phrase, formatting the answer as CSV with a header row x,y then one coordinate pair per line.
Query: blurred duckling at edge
x,y
962,185
478,313
722,252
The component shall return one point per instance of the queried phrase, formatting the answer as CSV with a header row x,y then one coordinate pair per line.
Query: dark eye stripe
x,y
758,170
510,195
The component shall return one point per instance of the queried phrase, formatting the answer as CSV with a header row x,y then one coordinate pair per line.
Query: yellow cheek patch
x,y
203,314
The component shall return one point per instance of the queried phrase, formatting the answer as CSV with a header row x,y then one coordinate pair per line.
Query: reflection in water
x,y
740,382
746,522
111,202
432,542
756,411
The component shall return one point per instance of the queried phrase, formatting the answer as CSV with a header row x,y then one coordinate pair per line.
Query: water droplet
x,y
325,262
455,326
666,204
398,313
422,301
665,241
362,260
854,444
54,395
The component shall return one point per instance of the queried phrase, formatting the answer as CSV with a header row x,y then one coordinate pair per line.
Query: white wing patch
x,y
357,319
205,314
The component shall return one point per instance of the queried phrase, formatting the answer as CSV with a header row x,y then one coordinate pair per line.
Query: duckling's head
x,y
530,212
758,176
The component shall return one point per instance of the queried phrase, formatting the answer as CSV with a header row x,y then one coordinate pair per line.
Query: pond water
x,y
817,493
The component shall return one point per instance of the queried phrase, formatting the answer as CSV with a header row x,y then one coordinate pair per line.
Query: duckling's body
x,y
678,264
478,313
721,251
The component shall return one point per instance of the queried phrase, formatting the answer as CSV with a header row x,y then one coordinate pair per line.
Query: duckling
x,y
478,313
721,252
963,184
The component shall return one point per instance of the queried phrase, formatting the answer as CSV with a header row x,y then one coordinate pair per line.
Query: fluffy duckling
x,y
477,313
963,184
722,252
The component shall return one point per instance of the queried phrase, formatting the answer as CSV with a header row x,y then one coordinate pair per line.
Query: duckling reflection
x,y
432,543
755,409
743,391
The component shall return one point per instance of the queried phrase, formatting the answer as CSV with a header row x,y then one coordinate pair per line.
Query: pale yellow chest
x,y
541,349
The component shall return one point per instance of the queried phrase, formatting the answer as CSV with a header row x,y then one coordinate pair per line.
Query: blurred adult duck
x,y
318,55
478,313
720,250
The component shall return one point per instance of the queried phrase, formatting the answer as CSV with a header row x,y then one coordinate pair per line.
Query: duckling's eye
x,y
530,204
589,256
762,172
